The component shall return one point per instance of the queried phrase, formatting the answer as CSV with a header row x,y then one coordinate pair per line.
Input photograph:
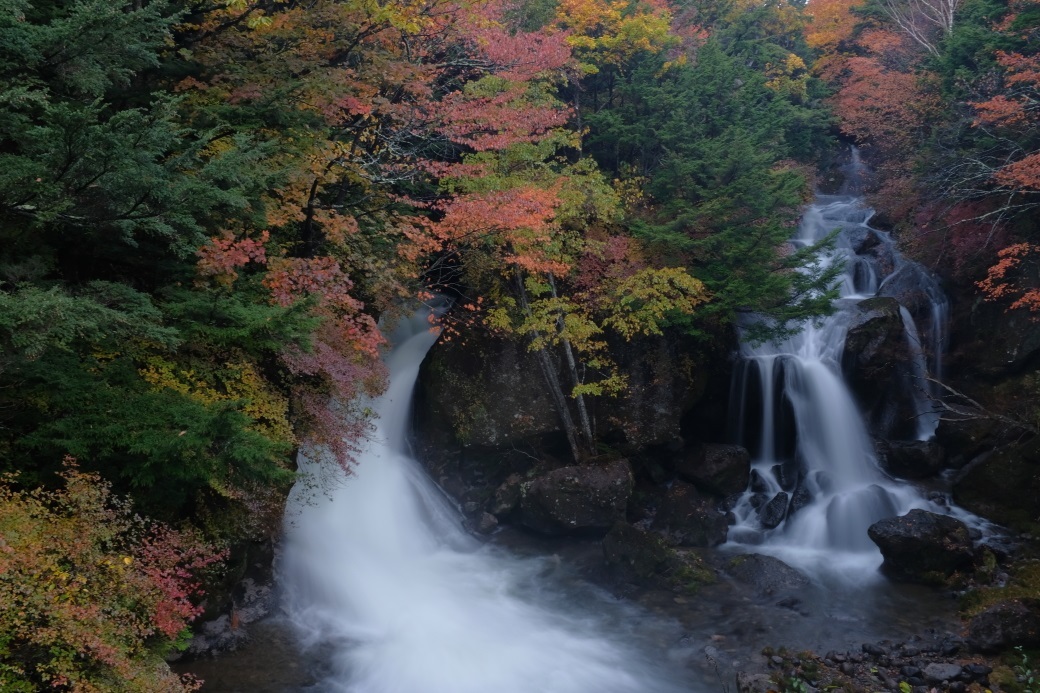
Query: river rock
x,y
716,468
774,512
754,683
1011,623
911,459
923,547
580,498
765,573
689,517
937,672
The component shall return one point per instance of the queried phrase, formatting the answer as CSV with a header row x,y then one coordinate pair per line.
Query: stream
x,y
386,592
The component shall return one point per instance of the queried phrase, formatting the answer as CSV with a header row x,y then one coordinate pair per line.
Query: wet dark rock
x,y
873,650
786,474
484,393
580,498
641,557
1004,487
689,517
757,484
876,362
978,671
923,547
911,459
862,239
1015,622
765,573
999,342
774,512
938,672
910,671
716,468
253,602
801,498
507,497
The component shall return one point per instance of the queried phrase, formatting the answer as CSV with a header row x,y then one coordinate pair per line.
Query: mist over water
x,y
380,575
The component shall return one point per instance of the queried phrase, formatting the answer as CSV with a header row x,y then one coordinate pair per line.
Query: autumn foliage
x,y
91,595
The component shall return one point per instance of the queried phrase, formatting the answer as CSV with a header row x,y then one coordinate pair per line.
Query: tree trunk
x,y
552,379
572,367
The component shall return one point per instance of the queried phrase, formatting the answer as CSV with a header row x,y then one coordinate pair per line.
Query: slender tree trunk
x,y
583,412
552,379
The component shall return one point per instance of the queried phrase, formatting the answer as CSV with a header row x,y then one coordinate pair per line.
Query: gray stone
x,y
580,498
923,547
754,683
937,672
765,573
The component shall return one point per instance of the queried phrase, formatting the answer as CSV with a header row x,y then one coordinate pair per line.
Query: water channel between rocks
x,y
385,592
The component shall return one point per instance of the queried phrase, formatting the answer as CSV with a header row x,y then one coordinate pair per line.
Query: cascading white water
x,y
816,485
380,575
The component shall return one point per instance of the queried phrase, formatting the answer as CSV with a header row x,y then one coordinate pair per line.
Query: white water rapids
x,y
390,594
379,572
812,453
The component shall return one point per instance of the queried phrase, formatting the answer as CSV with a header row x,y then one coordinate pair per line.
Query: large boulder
x,y
876,362
1011,623
580,498
690,518
663,384
1004,487
488,392
911,459
766,574
640,557
716,468
923,547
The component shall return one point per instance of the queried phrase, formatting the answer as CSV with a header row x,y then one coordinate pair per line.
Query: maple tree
x,y
91,595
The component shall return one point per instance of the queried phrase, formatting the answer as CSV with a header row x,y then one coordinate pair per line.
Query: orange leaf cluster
x,y
220,258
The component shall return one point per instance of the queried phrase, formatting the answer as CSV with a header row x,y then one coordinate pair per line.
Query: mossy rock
x,y
641,557
1005,487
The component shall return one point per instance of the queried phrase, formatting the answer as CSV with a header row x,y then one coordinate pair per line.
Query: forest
x,y
209,209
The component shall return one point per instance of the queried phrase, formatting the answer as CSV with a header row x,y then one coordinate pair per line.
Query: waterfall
x,y
816,484
382,580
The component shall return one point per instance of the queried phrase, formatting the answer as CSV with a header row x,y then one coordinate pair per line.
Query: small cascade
x,y
816,483
394,596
